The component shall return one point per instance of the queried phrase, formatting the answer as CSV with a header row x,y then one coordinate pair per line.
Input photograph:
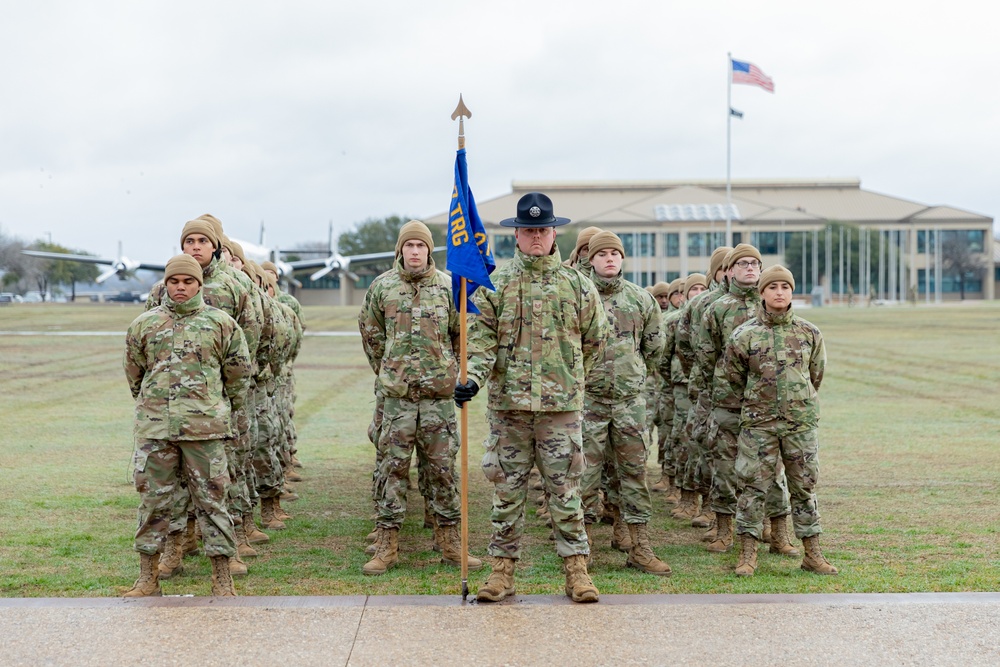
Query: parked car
x,y
126,297
10,297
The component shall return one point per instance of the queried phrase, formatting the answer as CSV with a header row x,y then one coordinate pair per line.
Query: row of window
x,y
701,244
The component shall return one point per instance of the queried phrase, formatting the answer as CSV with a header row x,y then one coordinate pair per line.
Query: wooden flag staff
x,y
461,113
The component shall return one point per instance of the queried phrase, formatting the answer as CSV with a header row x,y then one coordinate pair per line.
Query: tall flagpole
x,y
729,125
462,112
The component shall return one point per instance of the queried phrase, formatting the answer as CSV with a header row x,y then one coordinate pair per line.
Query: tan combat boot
x,y
543,511
288,495
191,535
687,507
148,583
814,561
765,536
747,563
712,532
279,512
780,542
243,547
449,538
704,518
674,494
723,534
295,462
222,580
237,567
254,534
620,537
291,475
172,562
661,485
386,552
579,586
500,583
267,516
641,557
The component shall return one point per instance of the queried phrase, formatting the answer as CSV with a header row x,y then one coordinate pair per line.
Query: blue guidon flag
x,y
469,255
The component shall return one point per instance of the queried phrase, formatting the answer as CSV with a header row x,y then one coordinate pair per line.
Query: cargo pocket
x,y
218,466
491,461
577,461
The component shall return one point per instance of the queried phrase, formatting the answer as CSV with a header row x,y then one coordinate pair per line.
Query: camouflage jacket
x,y
188,367
670,362
633,349
720,319
293,303
222,290
771,372
687,334
537,336
409,330
267,349
288,339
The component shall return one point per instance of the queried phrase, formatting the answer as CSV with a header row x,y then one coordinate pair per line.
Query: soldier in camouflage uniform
x,y
410,332
656,397
187,365
721,318
773,366
696,478
675,383
614,409
200,239
534,341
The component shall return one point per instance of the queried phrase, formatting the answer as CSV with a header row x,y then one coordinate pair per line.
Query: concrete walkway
x,y
690,630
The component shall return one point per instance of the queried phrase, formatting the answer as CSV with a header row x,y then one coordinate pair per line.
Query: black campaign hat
x,y
534,210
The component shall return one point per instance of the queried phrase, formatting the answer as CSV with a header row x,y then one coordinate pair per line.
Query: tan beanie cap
x,y
237,250
414,230
183,265
677,286
269,266
200,227
660,289
582,239
604,241
717,262
226,243
739,252
773,274
212,220
695,279
270,281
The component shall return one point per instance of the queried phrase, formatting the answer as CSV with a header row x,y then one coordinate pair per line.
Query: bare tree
x,y
960,261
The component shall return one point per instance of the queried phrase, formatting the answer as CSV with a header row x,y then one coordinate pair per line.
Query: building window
x,y
672,244
674,275
767,243
737,238
647,244
701,244
950,284
973,238
503,246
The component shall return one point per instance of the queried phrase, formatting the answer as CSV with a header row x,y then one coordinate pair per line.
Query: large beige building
x,y
893,248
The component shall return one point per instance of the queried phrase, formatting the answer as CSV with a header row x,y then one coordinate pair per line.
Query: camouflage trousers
x,y
374,429
723,432
616,432
284,409
697,475
238,454
269,474
664,431
429,426
159,465
553,442
760,454
678,455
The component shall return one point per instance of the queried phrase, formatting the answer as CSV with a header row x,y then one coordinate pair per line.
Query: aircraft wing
x,y
89,259
303,264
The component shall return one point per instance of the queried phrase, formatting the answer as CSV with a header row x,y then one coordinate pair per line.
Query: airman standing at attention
x,y
410,332
614,409
674,386
773,367
660,407
696,479
188,367
534,341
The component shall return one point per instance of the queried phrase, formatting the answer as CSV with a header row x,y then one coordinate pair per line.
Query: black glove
x,y
465,392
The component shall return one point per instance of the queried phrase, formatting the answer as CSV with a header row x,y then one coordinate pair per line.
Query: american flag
x,y
744,72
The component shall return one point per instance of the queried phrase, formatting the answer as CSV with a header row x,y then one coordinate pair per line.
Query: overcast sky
x,y
119,121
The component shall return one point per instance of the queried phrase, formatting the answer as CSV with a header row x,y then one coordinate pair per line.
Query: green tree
x,y
57,272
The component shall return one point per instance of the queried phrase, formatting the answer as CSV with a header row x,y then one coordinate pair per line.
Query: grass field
x,y
908,490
